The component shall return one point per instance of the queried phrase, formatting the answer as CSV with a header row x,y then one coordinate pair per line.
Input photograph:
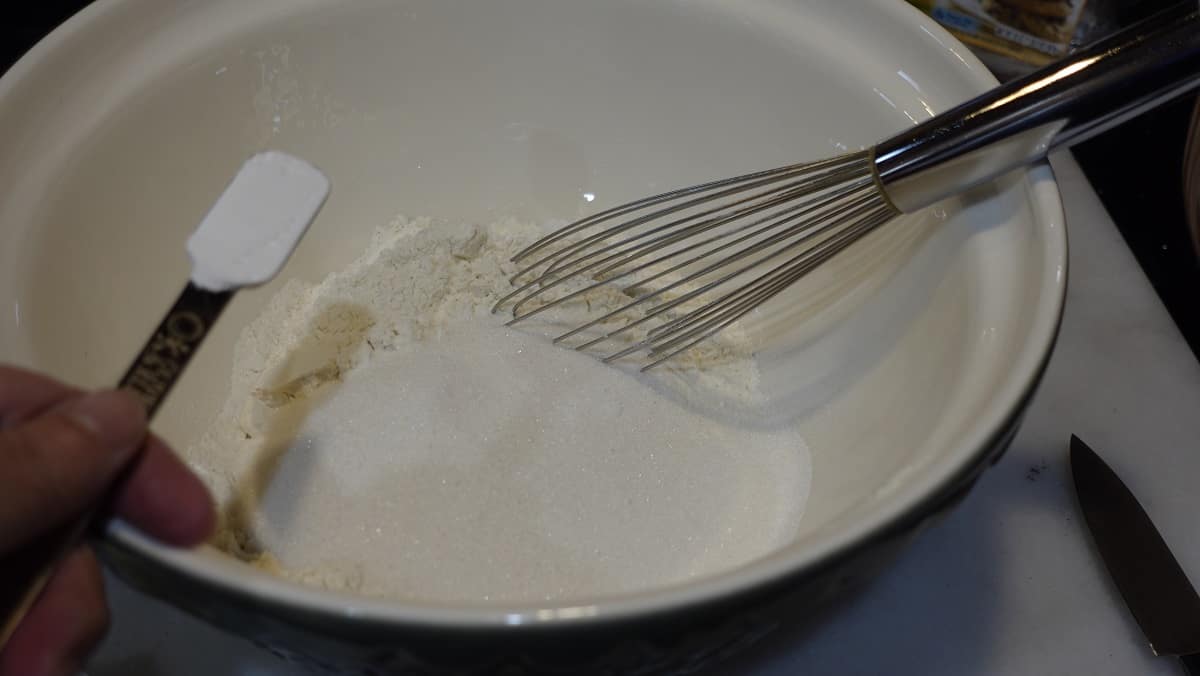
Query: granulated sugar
x,y
386,434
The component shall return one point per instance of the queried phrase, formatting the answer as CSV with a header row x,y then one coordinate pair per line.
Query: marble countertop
x,y
1010,582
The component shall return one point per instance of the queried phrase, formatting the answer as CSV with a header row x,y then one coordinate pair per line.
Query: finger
x,y
24,394
59,463
64,626
161,497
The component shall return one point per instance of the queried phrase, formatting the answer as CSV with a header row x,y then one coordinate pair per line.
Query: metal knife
x,y
1155,588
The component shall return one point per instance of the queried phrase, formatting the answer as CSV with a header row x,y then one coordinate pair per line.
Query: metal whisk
x,y
691,262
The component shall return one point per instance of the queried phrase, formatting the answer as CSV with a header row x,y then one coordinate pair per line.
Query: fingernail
x,y
116,419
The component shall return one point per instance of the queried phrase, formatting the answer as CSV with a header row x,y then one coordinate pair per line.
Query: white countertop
x,y
1009,583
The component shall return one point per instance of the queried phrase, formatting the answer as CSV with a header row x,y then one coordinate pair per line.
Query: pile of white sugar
x,y
386,434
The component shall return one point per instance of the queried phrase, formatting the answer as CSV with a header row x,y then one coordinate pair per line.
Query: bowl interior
x,y
896,360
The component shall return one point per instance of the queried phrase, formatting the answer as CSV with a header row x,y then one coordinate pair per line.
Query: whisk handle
x,y
1070,101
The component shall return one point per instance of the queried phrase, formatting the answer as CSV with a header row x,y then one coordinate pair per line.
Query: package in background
x,y
1029,32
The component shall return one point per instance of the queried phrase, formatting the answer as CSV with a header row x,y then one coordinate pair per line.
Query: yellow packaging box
x,y
1032,31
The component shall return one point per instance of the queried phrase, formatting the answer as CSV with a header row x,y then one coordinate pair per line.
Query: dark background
x,y
1136,169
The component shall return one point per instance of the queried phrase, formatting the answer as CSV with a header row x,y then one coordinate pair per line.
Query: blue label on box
x,y
953,19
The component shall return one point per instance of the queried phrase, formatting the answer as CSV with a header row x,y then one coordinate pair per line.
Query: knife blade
x,y
1154,586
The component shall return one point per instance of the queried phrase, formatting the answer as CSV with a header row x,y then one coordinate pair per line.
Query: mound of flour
x,y
386,434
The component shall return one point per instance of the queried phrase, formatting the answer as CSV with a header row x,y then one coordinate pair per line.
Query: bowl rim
x,y
977,445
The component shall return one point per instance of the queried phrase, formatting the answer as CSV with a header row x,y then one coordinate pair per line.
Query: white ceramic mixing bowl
x,y
121,127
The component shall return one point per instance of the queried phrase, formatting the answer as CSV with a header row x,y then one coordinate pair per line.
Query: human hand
x,y
62,451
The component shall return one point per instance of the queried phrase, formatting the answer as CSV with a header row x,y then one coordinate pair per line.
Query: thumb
x,y
56,465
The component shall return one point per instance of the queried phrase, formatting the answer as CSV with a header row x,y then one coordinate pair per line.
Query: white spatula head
x,y
252,229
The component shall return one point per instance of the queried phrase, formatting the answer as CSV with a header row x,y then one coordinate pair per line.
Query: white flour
x,y
386,434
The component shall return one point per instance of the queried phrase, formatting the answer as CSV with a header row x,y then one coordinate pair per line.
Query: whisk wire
x,y
795,192
555,260
854,209
547,282
721,316
801,210
750,295
813,172
687,258
611,231
645,202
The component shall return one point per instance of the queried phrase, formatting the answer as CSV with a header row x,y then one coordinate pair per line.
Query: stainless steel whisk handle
x,y
1065,103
